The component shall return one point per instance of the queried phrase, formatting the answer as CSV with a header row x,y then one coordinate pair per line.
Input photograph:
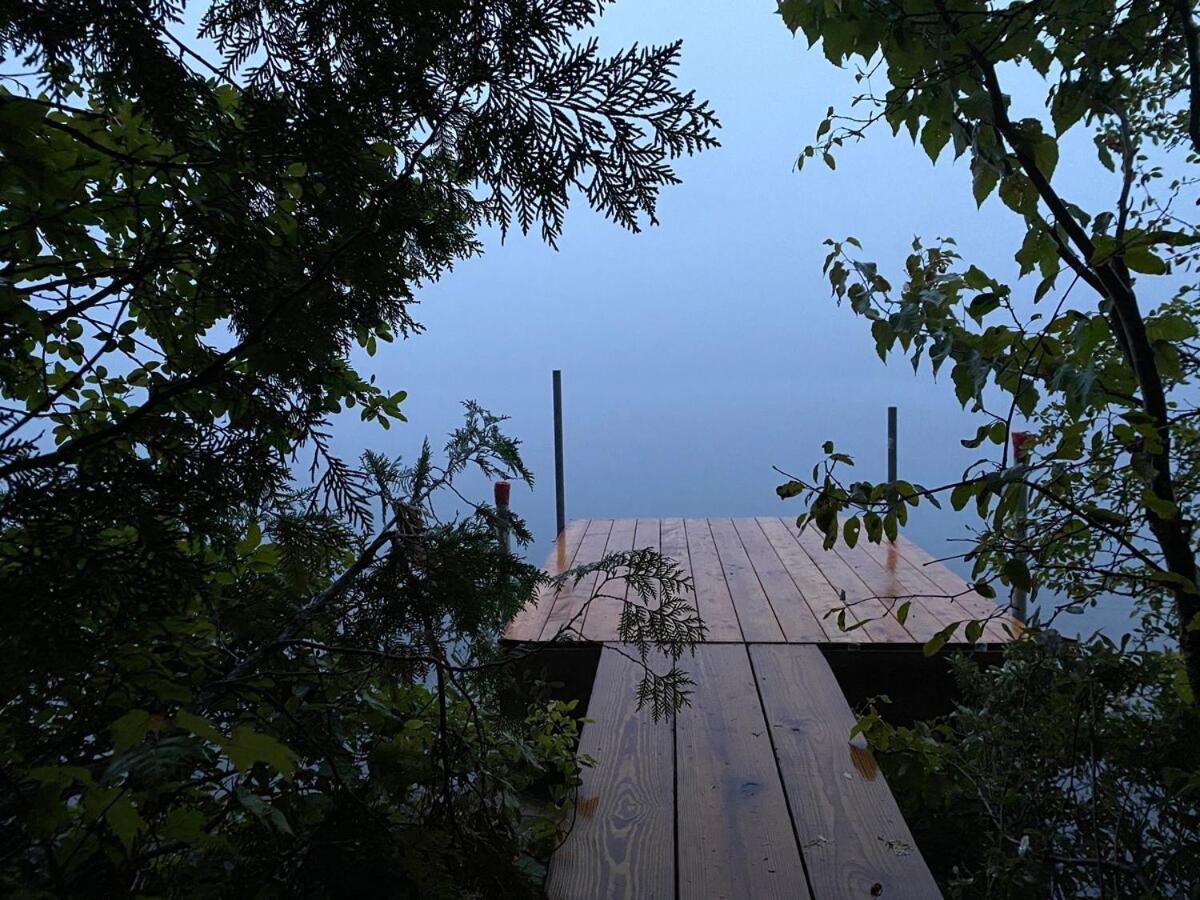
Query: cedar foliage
x,y
231,661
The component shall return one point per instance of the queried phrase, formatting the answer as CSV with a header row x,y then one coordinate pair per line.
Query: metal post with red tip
x,y
503,491
1020,597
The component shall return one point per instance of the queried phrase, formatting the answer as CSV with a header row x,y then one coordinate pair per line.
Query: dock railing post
x,y
1020,597
560,506
503,491
891,443
892,476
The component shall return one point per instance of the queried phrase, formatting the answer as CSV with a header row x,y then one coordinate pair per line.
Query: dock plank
x,y
895,587
712,593
735,836
882,620
623,842
602,617
812,583
567,603
854,839
754,611
965,602
673,544
799,623
527,624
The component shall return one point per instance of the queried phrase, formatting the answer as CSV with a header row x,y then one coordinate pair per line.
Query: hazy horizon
x,y
698,354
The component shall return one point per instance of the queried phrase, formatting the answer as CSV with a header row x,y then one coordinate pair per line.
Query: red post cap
x,y
1021,441
503,491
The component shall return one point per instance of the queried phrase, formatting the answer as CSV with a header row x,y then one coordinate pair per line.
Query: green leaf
x,y
130,729
1045,155
1017,573
1019,194
934,137
983,180
123,818
934,644
184,824
1163,509
790,489
850,531
1140,258
961,494
974,631
247,747
198,726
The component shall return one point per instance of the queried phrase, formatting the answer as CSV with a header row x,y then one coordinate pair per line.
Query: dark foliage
x,y
231,662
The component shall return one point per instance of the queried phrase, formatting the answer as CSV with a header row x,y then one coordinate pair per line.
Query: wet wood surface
x,y
755,789
734,834
854,840
762,581
623,840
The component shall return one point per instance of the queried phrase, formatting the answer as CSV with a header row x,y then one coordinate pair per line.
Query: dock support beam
x,y
560,506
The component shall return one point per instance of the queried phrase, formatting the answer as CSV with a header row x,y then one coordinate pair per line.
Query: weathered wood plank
x,y
799,623
712,593
602,617
569,601
735,836
854,840
816,588
895,588
527,624
883,624
672,543
965,601
623,841
754,611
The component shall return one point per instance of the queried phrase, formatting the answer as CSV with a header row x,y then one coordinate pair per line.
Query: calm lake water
x,y
704,351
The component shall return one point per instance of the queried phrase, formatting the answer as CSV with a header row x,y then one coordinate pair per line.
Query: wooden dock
x,y
755,788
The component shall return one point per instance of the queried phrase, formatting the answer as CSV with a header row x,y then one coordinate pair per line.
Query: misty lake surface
x,y
707,349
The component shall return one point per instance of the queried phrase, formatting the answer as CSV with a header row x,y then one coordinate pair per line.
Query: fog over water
x,y
702,352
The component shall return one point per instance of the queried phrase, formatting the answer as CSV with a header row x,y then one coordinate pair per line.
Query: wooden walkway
x,y
759,581
754,789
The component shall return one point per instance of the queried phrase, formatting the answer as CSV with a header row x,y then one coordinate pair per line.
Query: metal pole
x,y
560,506
503,491
1020,597
892,555
891,443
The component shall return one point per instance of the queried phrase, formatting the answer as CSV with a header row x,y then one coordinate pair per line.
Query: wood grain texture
x,y
854,840
712,593
821,595
735,836
1001,626
567,603
759,580
882,620
672,543
527,624
797,620
600,621
623,841
895,587
754,611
